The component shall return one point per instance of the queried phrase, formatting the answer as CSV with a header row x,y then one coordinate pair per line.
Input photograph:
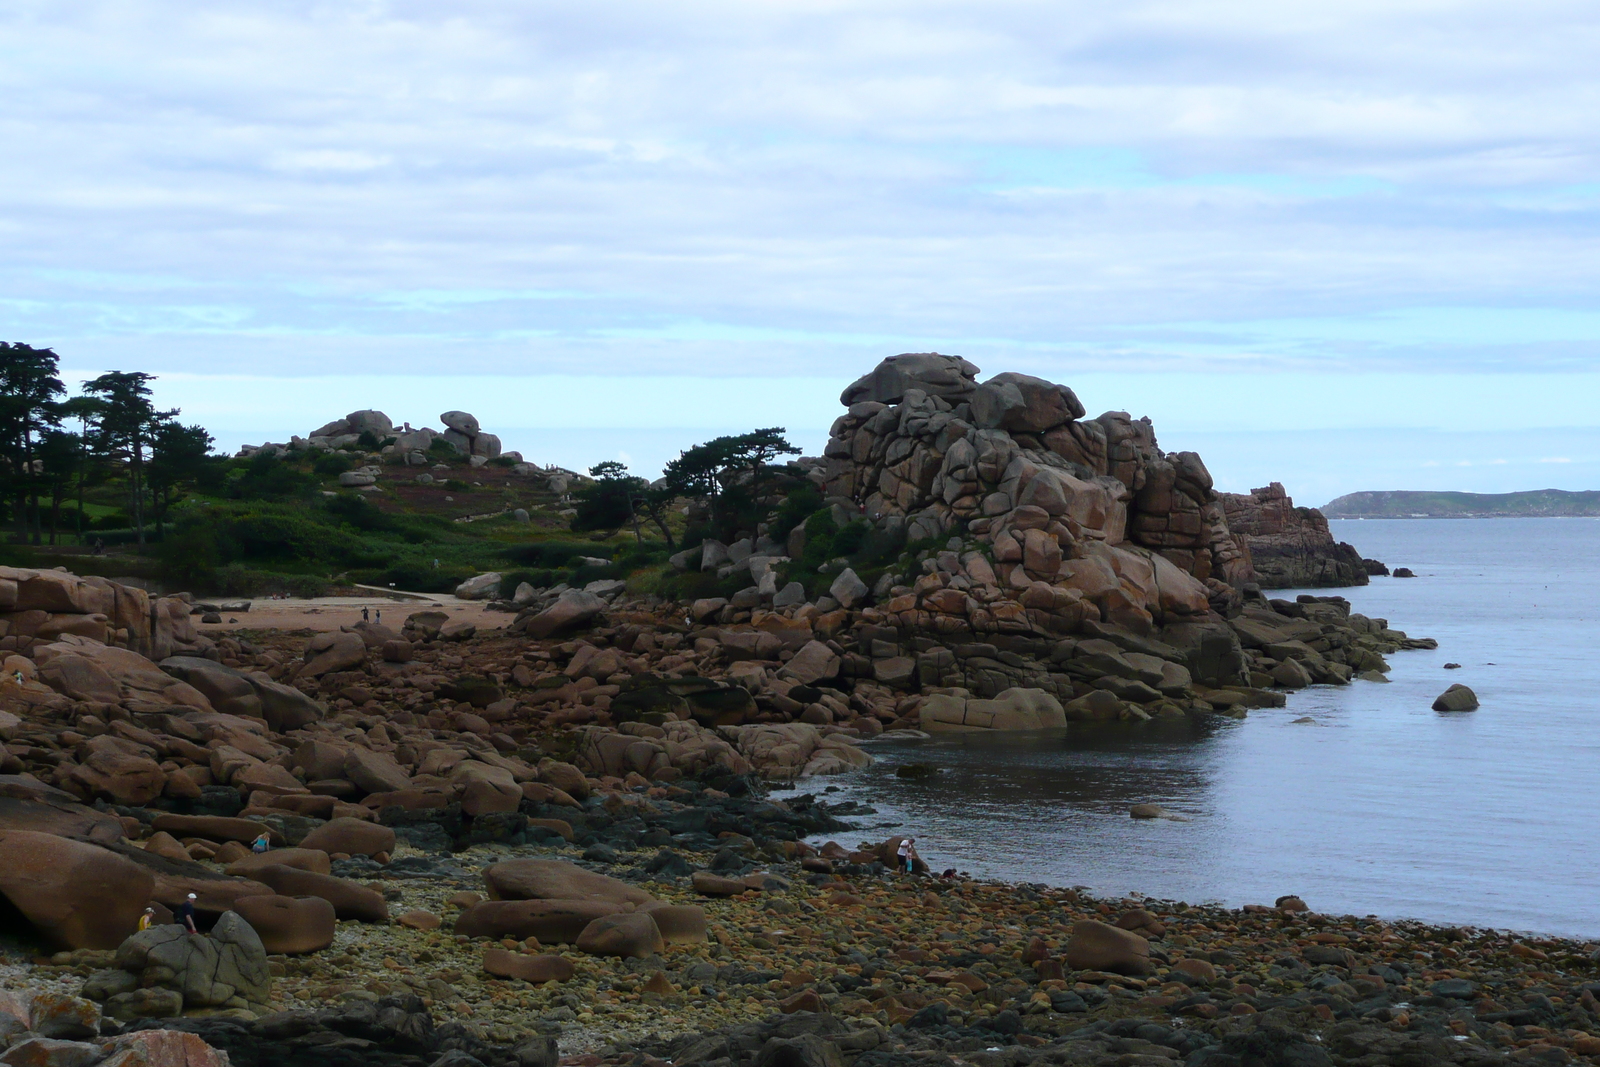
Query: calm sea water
x,y
1381,806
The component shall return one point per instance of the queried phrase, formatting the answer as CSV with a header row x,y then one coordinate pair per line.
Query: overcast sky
x,y
1348,246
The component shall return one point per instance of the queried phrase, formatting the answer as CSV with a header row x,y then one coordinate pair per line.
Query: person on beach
x,y
262,843
186,914
908,854
366,615
148,919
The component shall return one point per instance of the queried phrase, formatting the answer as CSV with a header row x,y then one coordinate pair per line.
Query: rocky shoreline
x,y
487,838
857,965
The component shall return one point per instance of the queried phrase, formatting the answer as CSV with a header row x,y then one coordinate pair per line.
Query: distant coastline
x,y
1411,504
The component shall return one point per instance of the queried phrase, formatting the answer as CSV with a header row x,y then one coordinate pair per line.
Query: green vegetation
x,y
1402,504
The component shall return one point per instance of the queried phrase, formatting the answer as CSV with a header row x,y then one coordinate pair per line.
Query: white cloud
x,y
707,188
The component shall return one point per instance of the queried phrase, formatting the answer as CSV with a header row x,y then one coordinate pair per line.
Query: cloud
x,y
803,186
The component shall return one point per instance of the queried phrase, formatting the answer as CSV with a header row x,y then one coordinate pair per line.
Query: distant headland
x,y
1405,504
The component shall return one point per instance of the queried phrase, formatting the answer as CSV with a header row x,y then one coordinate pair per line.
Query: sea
x,y
1360,799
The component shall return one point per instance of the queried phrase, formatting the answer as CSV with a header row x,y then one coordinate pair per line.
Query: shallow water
x,y
1381,806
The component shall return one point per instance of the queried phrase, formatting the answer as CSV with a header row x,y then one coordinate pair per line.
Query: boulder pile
x,y
461,433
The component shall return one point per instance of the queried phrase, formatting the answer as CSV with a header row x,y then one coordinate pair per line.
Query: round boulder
x,y
290,926
303,859
1094,946
353,837
1457,698
630,935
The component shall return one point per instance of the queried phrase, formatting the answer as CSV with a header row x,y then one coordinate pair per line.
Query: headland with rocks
x,y
550,838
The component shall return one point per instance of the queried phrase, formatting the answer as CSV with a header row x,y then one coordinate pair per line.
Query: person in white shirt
x,y
908,854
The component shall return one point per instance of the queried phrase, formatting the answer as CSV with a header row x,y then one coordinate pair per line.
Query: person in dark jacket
x,y
186,914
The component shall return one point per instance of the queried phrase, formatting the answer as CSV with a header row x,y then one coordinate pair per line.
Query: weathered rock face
x,y
927,447
209,970
1289,547
41,607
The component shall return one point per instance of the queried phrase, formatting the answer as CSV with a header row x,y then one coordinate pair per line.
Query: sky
x,y
1344,247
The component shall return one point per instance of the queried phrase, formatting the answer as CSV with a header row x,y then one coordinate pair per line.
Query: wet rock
x,y
1457,698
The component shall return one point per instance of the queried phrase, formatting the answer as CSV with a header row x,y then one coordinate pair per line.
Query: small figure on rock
x,y
186,914
99,546
366,614
380,616
262,843
148,919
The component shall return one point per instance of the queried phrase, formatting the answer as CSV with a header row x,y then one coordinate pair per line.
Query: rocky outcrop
x,y
228,966
38,608
1290,547
401,444
961,452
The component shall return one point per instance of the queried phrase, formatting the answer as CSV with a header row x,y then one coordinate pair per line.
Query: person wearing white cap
x,y
186,914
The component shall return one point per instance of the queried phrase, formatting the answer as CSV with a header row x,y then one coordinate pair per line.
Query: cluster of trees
x,y
725,476
53,447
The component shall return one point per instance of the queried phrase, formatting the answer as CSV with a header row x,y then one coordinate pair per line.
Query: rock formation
x,y
462,433
927,446
1290,547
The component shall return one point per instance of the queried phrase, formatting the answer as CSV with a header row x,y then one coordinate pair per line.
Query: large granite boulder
x,y
329,652
28,804
1012,710
950,377
538,879
349,900
572,610
290,925
210,970
1021,402
237,693
75,895
551,921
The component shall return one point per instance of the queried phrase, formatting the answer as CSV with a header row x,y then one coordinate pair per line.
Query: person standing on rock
x,y
908,854
186,914
366,615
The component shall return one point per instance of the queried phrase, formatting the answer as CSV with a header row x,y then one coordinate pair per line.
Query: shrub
x,y
331,464
795,509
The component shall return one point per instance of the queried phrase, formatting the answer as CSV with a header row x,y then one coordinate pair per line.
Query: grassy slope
x,y
1401,504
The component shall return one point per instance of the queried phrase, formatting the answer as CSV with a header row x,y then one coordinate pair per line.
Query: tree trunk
x,y
136,476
